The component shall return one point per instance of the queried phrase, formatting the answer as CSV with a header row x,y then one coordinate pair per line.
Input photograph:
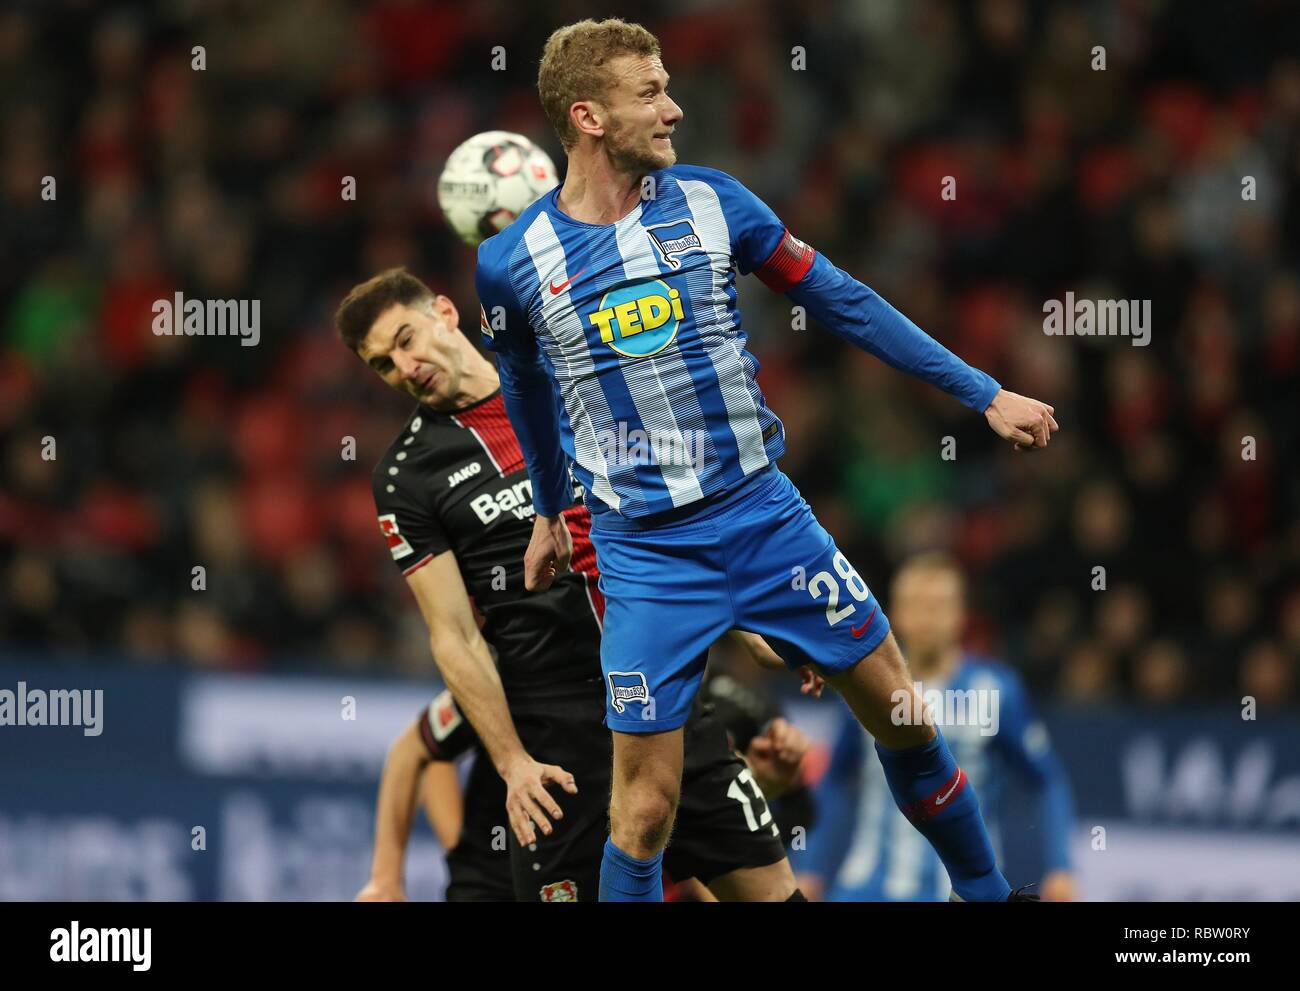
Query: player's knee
x,y
641,819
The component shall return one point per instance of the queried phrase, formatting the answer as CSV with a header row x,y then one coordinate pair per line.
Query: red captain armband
x,y
787,265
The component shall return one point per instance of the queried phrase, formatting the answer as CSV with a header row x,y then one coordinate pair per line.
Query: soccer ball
x,y
489,180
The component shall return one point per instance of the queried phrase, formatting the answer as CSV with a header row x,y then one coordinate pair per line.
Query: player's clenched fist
x,y
528,803
1024,421
776,755
548,553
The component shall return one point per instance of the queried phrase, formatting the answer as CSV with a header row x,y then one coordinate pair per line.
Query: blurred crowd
x,y
1153,552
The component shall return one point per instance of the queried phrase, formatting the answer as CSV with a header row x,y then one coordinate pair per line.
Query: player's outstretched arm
x,y
398,787
850,310
467,666
857,314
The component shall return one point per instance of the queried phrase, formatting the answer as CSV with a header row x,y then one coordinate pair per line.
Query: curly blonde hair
x,y
573,62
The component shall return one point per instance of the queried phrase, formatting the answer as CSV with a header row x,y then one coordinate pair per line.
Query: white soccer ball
x,y
489,180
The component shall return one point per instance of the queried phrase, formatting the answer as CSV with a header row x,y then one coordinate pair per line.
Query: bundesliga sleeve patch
x,y
483,324
396,542
787,265
444,716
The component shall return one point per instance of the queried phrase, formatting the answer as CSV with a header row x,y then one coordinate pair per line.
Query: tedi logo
x,y
639,320
77,945
183,317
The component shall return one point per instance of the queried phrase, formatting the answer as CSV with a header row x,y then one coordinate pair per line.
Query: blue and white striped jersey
x,y
621,345
866,850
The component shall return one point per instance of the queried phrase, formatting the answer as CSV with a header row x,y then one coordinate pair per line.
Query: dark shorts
x,y
723,822
479,866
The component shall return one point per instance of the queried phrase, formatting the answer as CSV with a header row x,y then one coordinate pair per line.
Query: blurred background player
x,y
862,848
455,508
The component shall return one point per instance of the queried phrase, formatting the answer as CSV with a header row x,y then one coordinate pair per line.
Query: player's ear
x,y
586,116
446,311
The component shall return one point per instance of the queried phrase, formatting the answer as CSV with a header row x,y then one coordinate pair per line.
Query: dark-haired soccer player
x,y
455,507
611,305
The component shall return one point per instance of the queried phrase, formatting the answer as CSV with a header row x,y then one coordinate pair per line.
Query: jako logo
x,y
183,317
1099,318
469,471
77,945
639,320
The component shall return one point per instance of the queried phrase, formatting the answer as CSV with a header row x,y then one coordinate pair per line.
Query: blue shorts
x,y
759,562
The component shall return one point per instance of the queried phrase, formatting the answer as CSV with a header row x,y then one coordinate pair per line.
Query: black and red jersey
x,y
456,481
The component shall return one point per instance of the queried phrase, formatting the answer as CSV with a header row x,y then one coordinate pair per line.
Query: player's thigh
x,y
724,825
773,883
666,602
880,692
794,586
646,763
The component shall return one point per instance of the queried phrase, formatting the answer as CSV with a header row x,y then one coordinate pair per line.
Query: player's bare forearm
x,y
394,813
471,675
468,669
466,665
443,803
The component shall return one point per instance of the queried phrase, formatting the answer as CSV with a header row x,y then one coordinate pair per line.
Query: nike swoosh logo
x,y
947,795
859,630
556,290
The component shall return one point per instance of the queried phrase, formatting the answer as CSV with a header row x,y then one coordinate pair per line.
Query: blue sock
x,y
626,879
932,791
